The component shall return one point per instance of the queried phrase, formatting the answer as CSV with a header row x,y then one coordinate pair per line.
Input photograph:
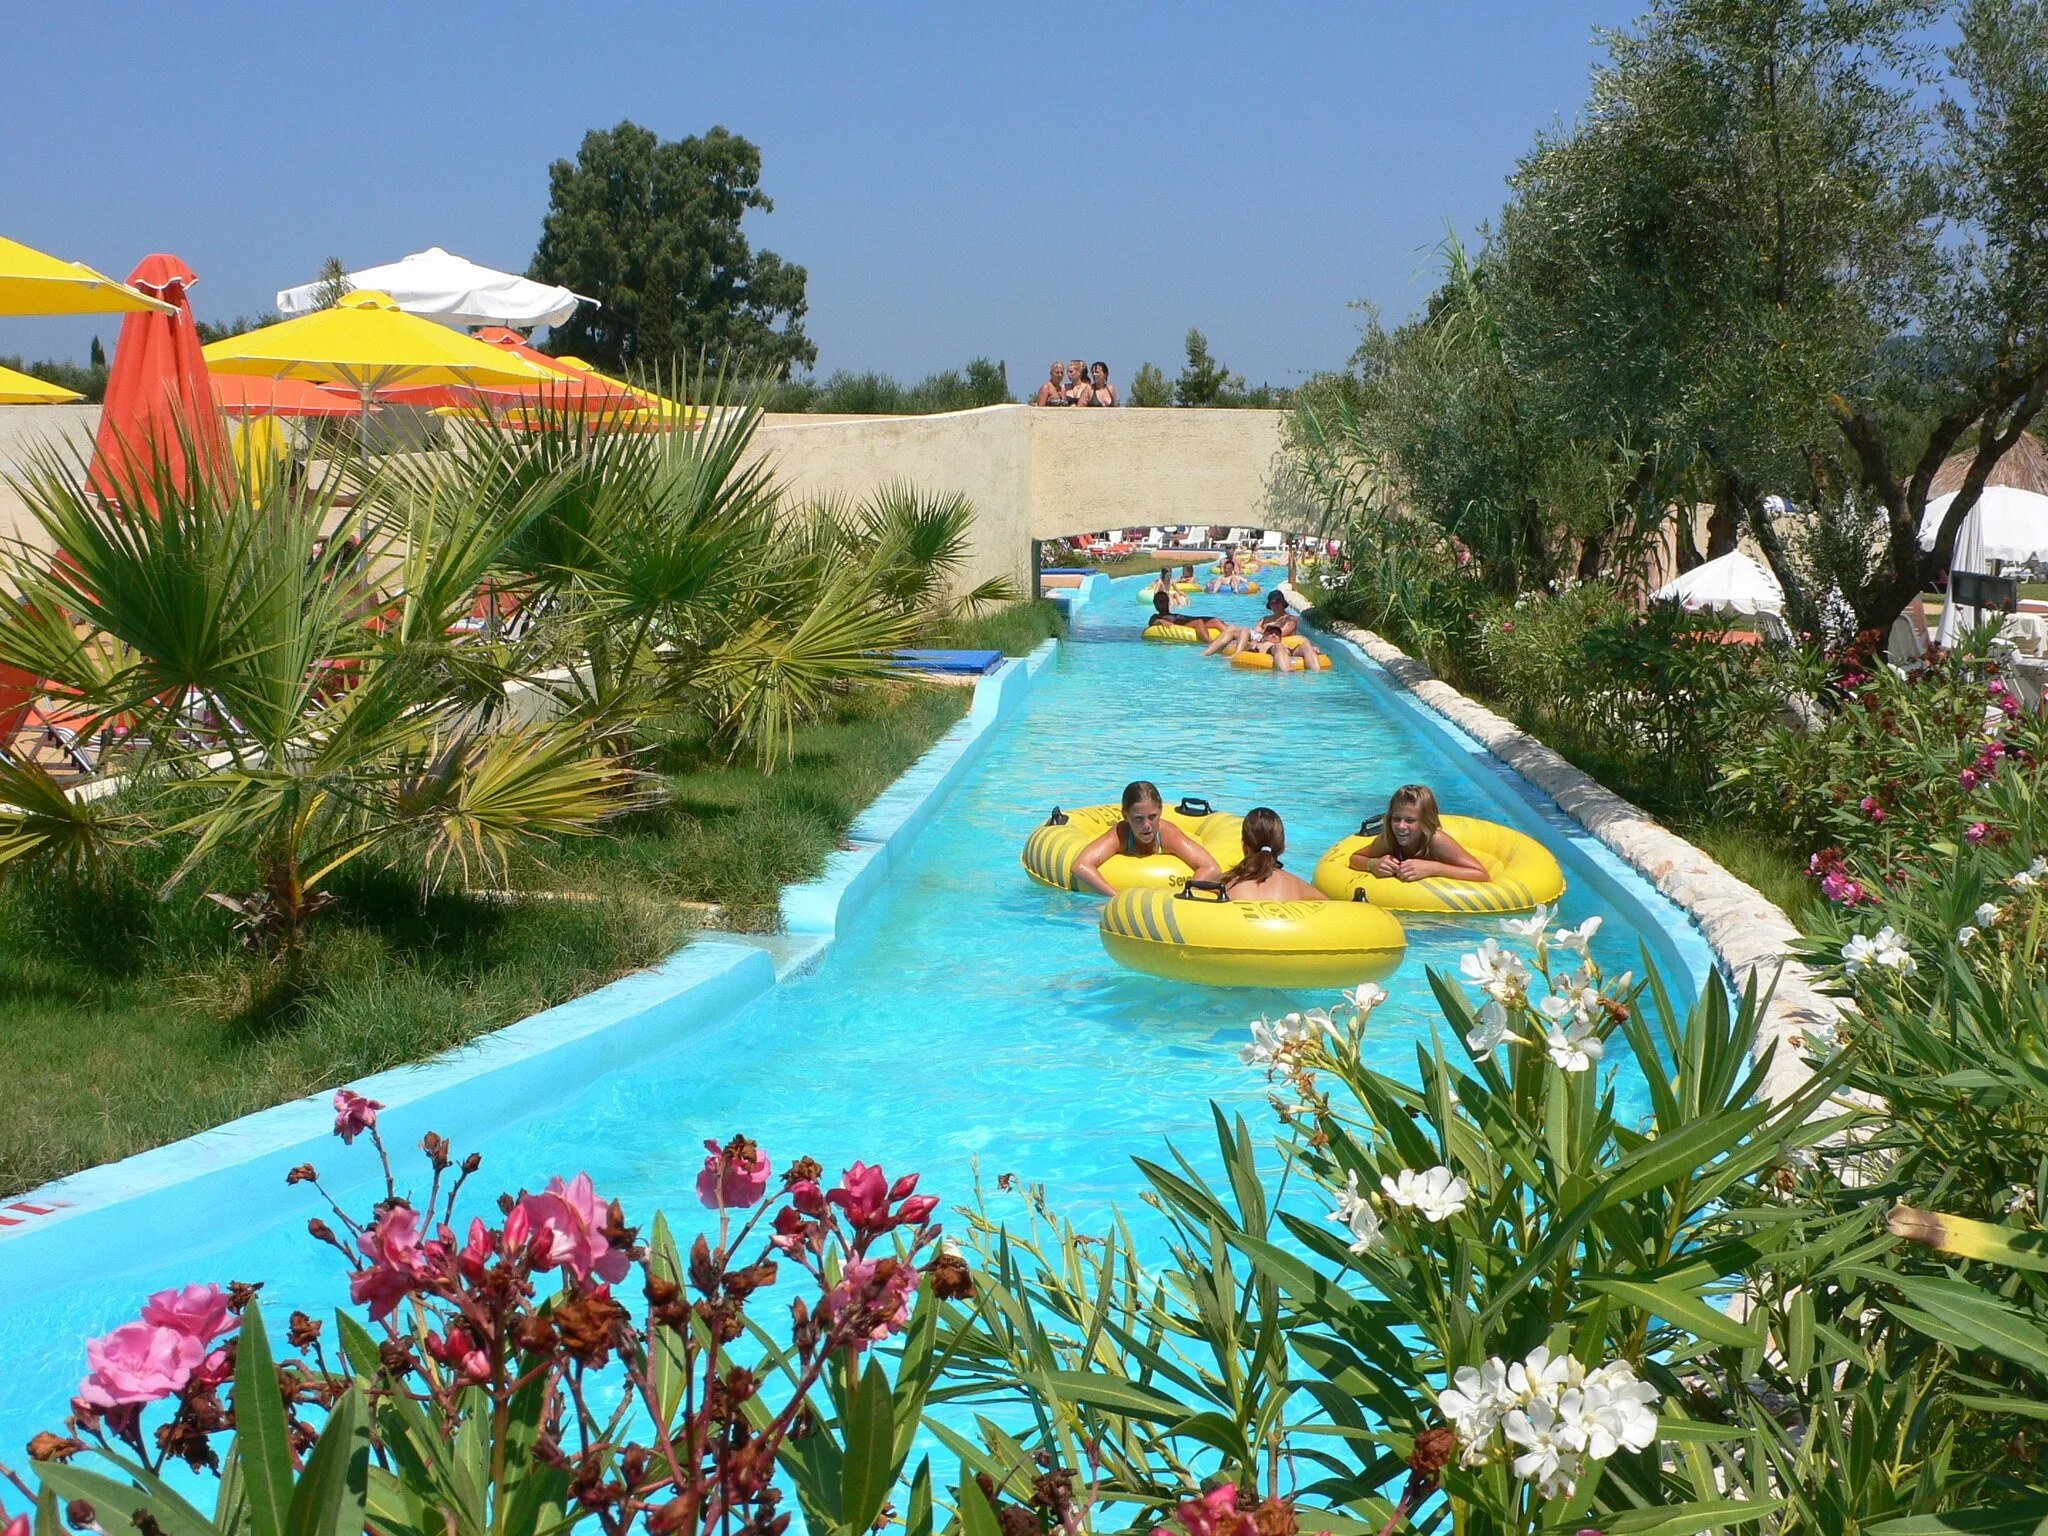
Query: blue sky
x,y
959,180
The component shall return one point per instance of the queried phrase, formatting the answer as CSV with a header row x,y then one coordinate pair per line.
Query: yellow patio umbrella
x,y
26,389
663,408
32,283
368,343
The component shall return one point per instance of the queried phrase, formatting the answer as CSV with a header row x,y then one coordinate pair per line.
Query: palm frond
x,y
42,827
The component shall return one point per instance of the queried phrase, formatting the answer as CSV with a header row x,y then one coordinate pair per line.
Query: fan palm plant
x,y
665,579
309,703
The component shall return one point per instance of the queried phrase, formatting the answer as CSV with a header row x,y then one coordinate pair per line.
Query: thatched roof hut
x,y
2025,465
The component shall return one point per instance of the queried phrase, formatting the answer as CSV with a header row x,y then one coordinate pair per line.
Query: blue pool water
x,y
971,1020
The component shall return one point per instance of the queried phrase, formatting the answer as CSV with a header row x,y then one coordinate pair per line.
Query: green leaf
x,y
2016,1517
917,1519
2010,1246
115,1499
1974,1319
231,1501
1112,1395
49,1521
976,1517
1685,1308
333,1492
261,1434
870,1468
666,1359
1698,1516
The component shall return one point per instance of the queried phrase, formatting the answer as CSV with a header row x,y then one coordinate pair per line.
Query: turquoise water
x,y
971,1020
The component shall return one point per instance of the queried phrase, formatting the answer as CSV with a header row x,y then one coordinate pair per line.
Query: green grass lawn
x,y
131,1020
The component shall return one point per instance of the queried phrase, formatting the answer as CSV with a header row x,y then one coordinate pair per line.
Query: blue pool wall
x,y
223,1182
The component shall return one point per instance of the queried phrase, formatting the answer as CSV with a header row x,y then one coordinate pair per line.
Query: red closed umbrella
x,y
159,399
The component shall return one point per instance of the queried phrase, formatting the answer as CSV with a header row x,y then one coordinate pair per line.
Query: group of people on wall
x,y
1076,382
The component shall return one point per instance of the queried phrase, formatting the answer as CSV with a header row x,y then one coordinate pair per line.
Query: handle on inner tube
x,y
1194,805
1370,827
1058,818
1187,891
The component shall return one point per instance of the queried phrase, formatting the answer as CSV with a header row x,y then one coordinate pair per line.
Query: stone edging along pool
x,y
217,1180
1748,934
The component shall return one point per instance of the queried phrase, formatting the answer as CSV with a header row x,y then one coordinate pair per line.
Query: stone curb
x,y
1749,935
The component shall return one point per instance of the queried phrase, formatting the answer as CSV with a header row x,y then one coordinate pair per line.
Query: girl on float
x,y
1258,875
1413,845
1143,832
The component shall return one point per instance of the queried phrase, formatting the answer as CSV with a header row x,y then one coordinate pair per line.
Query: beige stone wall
x,y
25,430
1039,474
1031,474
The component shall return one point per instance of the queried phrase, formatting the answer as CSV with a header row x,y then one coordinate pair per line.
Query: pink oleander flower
x,y
460,1352
2009,703
794,1233
139,1363
734,1176
1976,832
866,1195
871,1300
18,1526
199,1310
399,1261
568,1231
1967,778
1213,1511
1839,888
1872,809
353,1114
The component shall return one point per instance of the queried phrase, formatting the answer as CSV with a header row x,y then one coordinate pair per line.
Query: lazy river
x,y
970,1023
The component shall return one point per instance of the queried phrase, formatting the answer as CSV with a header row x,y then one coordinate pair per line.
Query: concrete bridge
x,y
1032,474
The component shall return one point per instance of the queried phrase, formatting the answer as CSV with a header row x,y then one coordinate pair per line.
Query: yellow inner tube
x,y
1179,634
1187,586
1251,943
1050,851
1525,874
1178,597
1260,661
1224,585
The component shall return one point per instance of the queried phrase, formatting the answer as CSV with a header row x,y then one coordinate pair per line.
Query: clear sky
x,y
959,180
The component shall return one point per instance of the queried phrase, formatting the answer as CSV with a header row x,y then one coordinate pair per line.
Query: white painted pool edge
x,y
164,1193
1748,934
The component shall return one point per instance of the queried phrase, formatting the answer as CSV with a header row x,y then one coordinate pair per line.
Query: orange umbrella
x,y
579,389
251,394
158,402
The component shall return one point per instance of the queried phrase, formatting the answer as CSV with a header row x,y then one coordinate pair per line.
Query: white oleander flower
x,y
1474,1403
1987,914
1354,1211
1620,1410
1499,972
1578,940
1436,1192
2022,1199
1273,1042
1885,949
2032,876
1965,936
1544,1458
1365,997
1541,1376
1317,1019
1573,1046
1489,1031
1529,928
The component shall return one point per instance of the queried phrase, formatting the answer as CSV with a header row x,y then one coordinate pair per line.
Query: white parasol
x,y
449,288
1732,584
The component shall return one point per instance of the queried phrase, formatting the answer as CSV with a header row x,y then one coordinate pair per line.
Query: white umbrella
x,y
453,290
1968,555
1732,584
2011,524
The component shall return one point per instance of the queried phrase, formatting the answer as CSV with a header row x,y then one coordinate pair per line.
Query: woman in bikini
x,y
1078,392
1413,845
1100,390
1258,875
1143,832
1054,390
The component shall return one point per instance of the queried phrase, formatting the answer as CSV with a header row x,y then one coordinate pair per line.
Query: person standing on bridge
x,y
1101,391
1054,390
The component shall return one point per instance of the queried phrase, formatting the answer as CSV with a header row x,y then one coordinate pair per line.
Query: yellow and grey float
x,y
1176,634
1525,873
1054,845
1187,586
1199,935
1260,661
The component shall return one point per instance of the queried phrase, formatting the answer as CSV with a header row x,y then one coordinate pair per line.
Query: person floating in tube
x,y
1413,845
1143,832
1258,875
1206,625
